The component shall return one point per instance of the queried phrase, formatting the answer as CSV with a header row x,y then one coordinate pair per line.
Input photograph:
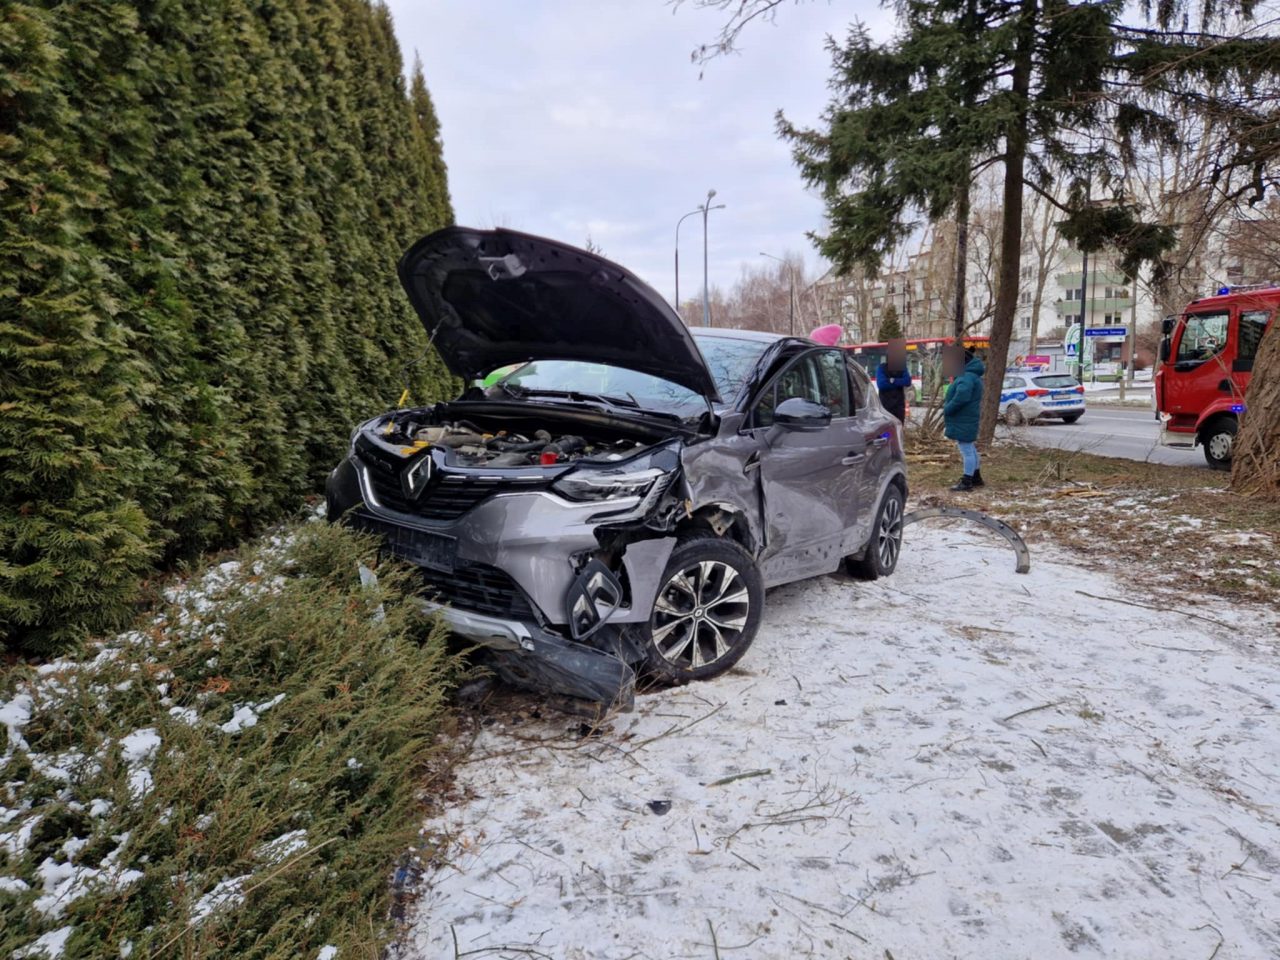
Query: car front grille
x,y
448,495
478,588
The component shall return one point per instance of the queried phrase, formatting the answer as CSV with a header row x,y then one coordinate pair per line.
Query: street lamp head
x,y
710,194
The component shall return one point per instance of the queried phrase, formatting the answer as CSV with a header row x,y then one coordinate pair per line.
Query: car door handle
x,y
853,458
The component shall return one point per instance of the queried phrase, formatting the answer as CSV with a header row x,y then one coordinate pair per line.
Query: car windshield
x,y
1059,381
729,359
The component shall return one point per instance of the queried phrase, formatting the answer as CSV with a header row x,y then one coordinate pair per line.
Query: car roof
x,y
728,334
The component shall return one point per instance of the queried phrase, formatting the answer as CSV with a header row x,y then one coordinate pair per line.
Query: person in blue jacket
x,y
962,410
893,379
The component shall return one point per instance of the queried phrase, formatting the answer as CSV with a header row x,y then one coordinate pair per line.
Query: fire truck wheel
x,y
1218,437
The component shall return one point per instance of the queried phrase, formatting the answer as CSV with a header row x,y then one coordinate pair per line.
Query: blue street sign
x,y
1106,331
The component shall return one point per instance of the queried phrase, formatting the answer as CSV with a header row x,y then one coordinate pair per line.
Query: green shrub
x,y
202,203
293,711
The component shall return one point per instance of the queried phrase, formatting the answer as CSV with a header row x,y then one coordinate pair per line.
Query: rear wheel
x,y
1218,437
707,610
1071,417
881,556
1013,415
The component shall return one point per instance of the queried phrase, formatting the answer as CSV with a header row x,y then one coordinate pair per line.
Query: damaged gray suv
x,y
618,500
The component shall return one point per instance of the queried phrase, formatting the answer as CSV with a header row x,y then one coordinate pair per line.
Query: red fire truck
x,y
1206,360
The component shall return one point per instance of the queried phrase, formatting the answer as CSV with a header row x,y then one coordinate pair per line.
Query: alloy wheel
x,y
700,614
889,541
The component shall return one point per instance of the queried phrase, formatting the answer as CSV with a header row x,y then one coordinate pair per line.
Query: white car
x,y
1027,396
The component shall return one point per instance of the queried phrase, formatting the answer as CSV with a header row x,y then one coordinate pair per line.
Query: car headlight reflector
x,y
593,486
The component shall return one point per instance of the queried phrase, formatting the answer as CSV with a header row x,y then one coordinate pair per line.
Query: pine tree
x,y
890,328
1040,88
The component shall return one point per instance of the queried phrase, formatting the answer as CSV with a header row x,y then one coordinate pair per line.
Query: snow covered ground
x,y
956,762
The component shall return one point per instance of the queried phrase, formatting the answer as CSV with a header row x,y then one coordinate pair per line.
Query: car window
x,y
859,383
1253,323
800,379
1011,382
731,360
1057,381
1203,337
834,383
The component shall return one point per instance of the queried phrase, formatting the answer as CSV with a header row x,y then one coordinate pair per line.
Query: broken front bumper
x,y
524,655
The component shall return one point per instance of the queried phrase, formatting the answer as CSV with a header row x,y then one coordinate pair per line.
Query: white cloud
x,y
580,117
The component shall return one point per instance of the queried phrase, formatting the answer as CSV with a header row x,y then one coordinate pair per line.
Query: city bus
x,y
924,358
1206,362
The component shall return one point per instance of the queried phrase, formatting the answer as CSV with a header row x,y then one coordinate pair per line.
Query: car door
x,y
1202,374
873,428
1013,388
809,480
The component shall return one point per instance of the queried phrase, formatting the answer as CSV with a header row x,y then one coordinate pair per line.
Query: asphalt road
x,y
1111,432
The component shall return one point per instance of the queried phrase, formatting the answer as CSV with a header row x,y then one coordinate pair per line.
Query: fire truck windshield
x,y
1203,337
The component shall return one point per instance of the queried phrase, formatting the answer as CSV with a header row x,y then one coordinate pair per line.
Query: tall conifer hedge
x,y
202,203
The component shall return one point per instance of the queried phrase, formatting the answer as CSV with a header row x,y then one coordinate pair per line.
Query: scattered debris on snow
x,y
952,762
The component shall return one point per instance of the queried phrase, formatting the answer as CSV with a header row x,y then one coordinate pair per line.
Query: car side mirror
x,y
1167,325
1164,350
798,413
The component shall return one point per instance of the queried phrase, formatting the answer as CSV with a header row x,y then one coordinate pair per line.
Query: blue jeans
x,y
969,454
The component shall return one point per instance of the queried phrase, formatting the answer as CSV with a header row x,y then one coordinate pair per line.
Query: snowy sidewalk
x,y
955,762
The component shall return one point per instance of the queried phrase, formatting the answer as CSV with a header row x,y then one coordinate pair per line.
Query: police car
x,y
1029,395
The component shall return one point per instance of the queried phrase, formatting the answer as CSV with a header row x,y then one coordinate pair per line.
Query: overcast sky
x,y
572,118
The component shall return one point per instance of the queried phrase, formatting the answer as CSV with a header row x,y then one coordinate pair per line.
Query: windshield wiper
x,y
629,402
583,397
512,390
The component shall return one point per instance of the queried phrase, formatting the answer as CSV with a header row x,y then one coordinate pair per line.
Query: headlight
x,y
590,486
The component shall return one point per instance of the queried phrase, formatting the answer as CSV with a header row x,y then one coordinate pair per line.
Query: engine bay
x,y
489,442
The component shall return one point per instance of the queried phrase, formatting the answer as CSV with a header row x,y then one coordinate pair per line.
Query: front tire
x,y
881,556
1218,438
706,613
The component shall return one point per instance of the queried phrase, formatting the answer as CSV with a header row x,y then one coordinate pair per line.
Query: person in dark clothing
x,y
893,379
962,411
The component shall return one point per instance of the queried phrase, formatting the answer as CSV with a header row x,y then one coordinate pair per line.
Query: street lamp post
x,y
678,222
706,302
791,282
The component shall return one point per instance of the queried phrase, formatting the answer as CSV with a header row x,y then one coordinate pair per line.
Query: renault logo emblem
x,y
414,480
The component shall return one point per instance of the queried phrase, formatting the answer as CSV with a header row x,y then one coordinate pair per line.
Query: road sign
x,y
1071,347
1106,331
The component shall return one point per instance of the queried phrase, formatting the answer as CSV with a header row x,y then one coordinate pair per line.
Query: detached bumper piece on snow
x,y
481,604
526,656
991,523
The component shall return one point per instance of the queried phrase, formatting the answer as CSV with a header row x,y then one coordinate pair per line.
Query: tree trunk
x,y
1255,463
962,258
1015,157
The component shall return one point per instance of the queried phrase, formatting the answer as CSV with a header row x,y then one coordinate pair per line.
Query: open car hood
x,y
489,298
